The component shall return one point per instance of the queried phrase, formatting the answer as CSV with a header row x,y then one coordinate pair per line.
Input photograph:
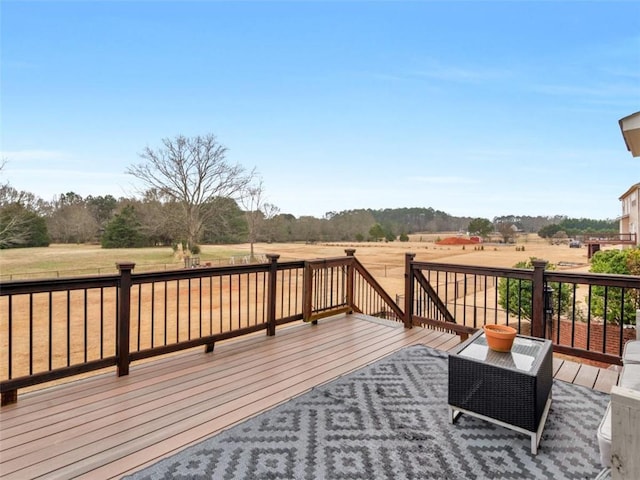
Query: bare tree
x,y
257,212
507,230
71,221
157,218
192,171
270,212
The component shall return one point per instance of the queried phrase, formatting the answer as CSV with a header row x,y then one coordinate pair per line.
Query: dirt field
x,y
384,260
73,260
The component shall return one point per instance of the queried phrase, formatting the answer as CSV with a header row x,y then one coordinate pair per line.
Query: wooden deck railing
x,y
343,284
51,329
594,242
587,315
615,238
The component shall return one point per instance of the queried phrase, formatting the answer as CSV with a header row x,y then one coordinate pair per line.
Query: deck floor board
x,y
606,379
567,371
107,426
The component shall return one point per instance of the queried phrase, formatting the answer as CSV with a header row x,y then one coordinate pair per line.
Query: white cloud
x,y
605,91
443,180
32,155
46,182
437,70
50,173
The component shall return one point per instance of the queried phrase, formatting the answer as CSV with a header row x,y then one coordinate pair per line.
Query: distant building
x,y
630,219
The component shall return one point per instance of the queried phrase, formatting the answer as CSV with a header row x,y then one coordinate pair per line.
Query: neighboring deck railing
x,y
614,238
52,329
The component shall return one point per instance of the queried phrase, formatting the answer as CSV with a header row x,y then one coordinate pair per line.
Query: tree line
x,y
193,195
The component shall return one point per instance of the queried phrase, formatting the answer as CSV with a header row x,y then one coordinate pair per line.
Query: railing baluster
x,y
178,316
210,305
573,316
621,335
86,326
251,319
200,306
101,322
220,309
256,318
606,302
239,301
282,276
486,298
68,328
31,334
139,317
189,325
50,333
230,280
153,317
166,311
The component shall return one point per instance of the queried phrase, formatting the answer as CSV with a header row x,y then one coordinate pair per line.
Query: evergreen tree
x,y
123,231
481,227
515,296
376,232
618,306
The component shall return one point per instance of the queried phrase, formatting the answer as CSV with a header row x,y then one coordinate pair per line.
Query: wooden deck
x,y
106,427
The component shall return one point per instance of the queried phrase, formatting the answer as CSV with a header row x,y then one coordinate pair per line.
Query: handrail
x,y
325,292
385,297
345,285
426,286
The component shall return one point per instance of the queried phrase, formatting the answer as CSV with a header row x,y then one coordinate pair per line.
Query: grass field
x,y
70,260
384,260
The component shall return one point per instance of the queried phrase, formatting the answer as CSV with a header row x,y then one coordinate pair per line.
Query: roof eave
x,y
630,128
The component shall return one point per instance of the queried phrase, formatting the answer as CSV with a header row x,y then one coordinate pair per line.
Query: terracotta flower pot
x,y
500,337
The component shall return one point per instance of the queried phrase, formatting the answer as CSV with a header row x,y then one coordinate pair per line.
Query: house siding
x,y
630,219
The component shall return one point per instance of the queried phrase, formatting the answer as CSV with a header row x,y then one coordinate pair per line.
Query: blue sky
x,y
474,108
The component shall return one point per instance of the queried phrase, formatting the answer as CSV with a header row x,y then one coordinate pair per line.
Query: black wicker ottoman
x,y
510,389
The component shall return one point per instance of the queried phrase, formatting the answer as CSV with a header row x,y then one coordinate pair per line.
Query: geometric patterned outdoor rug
x,y
390,420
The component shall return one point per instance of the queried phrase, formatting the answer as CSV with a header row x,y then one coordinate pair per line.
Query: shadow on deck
x,y
107,426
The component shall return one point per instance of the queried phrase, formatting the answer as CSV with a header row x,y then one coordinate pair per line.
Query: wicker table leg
x,y
536,436
455,412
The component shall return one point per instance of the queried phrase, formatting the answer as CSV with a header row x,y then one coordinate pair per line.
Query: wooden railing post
x,y
537,303
271,294
307,292
124,317
408,290
350,276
